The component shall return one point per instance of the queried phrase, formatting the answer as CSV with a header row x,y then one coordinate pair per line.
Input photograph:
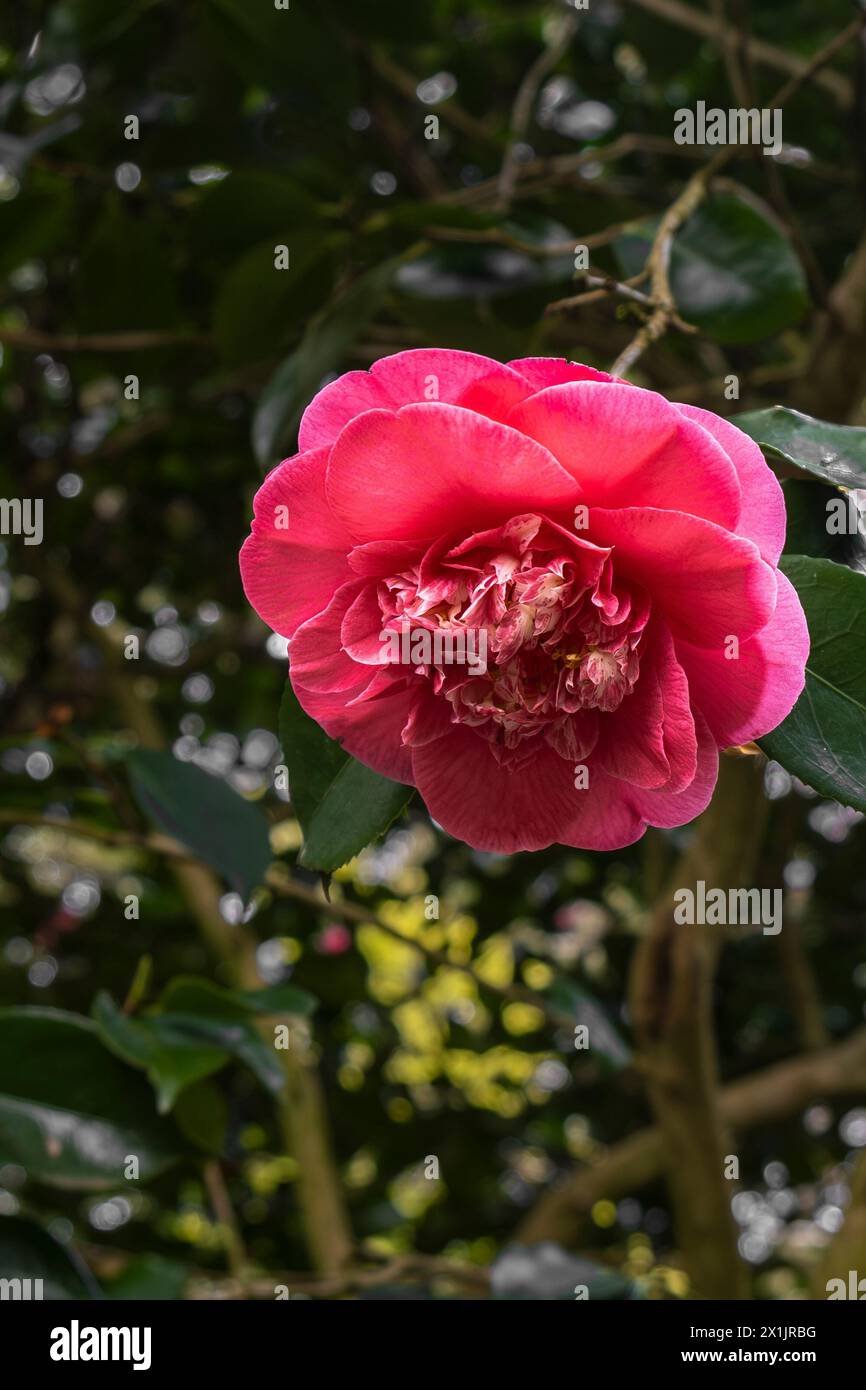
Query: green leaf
x,y
733,271
70,1112
247,208
150,1277
33,223
823,739
125,279
313,759
217,1017
278,999
341,804
203,813
807,533
461,270
171,1059
326,340
296,51
258,308
202,1116
357,809
834,453
194,994
605,1041
27,1251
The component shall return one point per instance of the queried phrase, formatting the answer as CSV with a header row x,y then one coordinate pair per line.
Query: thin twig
x,y
133,341
658,261
687,17
562,31
279,882
225,1214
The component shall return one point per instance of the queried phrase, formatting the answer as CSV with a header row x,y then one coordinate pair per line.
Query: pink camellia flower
x,y
541,595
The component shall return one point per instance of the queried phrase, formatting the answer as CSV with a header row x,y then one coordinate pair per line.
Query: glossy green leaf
x,y
811,529
313,759
357,809
259,308
277,999
71,1113
834,453
823,739
203,813
733,271
341,804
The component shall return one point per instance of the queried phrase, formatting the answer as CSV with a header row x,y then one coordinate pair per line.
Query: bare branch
x,y
561,33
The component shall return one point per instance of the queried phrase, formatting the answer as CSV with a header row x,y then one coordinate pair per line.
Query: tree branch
x,y
765,54
771,1095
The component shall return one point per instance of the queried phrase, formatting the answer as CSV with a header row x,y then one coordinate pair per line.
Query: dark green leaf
x,y
245,209
330,333
150,1277
217,1017
203,813
733,270
259,308
341,804
28,1252
313,759
807,533
357,809
202,1116
71,1113
171,1059
605,1042
277,999
33,223
834,453
124,277
823,739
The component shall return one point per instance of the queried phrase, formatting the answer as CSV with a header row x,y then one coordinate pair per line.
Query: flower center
x,y
560,633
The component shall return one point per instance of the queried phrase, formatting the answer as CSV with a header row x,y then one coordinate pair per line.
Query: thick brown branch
x,y
768,1096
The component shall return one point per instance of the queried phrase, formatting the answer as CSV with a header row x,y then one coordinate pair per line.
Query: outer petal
x,y
709,584
762,516
627,447
495,808
422,374
542,372
669,808
743,699
370,730
289,574
432,468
